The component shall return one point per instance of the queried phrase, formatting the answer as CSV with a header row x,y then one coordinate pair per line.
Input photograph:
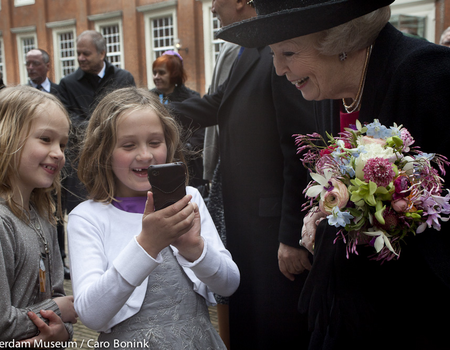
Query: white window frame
x,y
21,54
2,63
113,22
209,42
57,59
18,3
418,8
150,13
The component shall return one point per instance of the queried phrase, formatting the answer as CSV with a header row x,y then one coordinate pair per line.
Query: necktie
x,y
39,87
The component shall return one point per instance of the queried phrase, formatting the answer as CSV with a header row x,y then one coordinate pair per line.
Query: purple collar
x,y
131,204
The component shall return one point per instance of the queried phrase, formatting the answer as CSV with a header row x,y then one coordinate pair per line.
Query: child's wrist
x,y
193,253
149,248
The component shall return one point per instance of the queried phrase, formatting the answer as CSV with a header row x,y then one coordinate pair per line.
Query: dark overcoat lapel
x,y
244,64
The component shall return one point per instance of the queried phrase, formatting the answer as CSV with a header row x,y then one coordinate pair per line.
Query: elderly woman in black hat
x,y
345,55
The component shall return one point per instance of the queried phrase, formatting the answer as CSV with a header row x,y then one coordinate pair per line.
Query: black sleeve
x,y
199,112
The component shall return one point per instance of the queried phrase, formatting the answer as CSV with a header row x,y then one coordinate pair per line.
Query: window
x,y
163,35
18,3
64,47
212,45
409,24
25,43
111,33
216,43
110,26
2,60
66,53
415,18
160,32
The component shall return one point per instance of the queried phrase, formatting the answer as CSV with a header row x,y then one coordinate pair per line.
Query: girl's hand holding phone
x,y
190,245
166,226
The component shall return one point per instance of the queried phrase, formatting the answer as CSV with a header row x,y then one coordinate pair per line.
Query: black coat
x,y
54,89
359,304
262,179
81,96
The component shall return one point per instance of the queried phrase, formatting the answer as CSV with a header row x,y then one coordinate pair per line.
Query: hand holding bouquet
x,y
375,185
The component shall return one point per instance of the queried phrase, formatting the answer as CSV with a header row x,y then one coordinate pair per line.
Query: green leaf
x,y
379,212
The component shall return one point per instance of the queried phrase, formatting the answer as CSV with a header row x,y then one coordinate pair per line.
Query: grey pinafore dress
x,y
172,315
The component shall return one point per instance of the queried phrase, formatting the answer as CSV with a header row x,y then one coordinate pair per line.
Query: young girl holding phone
x,y
142,276
34,129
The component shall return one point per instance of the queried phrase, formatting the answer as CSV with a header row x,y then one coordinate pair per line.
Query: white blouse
x,y
109,269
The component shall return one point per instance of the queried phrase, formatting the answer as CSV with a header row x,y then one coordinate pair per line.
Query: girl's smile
x,y
42,154
140,143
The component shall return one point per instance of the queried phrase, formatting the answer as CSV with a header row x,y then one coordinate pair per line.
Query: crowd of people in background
x,y
243,203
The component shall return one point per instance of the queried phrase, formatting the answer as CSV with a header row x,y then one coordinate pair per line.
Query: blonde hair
x,y
94,168
18,106
354,35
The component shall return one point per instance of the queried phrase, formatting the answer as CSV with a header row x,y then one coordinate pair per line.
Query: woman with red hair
x,y
169,77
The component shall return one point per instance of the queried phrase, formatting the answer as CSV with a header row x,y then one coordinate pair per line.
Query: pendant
x,y
42,275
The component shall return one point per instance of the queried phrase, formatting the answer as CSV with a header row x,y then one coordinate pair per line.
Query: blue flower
x,y
346,168
377,130
427,156
395,131
355,152
339,218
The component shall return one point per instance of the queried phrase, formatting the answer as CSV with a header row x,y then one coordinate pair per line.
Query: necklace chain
x,y
354,106
38,229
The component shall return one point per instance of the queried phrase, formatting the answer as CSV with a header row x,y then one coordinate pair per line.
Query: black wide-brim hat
x,y
279,20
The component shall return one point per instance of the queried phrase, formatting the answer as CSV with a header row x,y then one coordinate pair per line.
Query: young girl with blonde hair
x,y
142,277
34,129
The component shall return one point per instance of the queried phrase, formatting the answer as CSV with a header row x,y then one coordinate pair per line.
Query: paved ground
x,y
82,334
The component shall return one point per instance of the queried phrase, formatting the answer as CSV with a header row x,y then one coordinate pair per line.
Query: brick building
x,y
137,31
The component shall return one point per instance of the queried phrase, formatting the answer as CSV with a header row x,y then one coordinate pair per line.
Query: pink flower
x,y
407,139
400,205
402,185
379,170
366,140
337,196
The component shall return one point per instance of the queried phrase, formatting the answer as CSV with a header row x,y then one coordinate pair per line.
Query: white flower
x,y
381,240
373,150
323,184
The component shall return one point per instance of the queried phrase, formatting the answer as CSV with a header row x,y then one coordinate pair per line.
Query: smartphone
x,y
168,183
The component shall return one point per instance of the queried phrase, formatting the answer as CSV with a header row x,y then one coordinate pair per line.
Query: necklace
x,y
37,227
354,106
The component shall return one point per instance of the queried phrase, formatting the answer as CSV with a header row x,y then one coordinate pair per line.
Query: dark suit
x,y
81,95
352,302
54,88
262,180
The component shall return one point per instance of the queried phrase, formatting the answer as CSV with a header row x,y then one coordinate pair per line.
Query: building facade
x,y
138,31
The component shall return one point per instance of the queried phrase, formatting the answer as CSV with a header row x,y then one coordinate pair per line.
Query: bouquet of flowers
x,y
375,185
